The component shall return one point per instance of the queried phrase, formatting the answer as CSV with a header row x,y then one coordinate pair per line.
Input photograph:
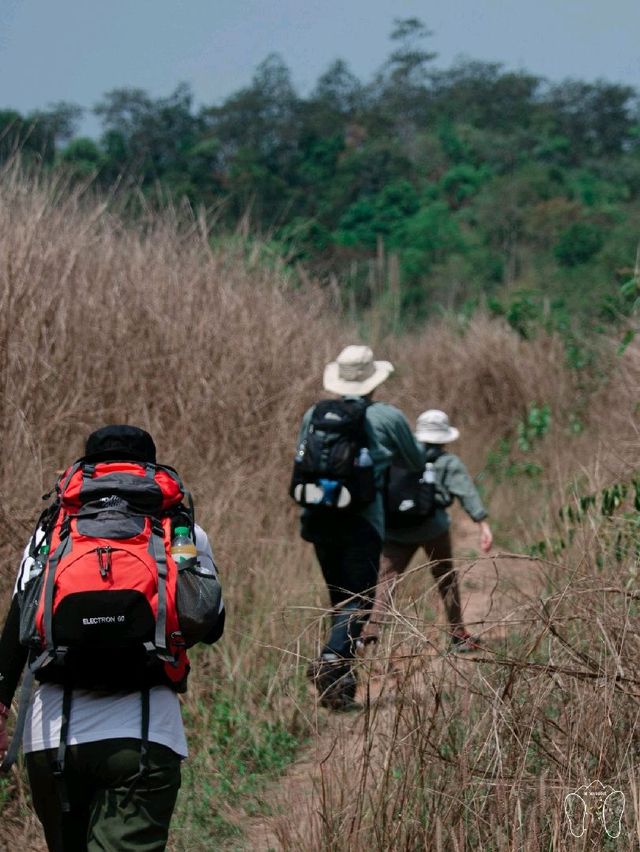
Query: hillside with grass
x,y
214,346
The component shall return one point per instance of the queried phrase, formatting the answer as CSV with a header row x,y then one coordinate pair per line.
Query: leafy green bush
x,y
579,243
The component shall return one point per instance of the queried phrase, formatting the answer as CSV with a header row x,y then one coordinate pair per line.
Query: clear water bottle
x,y
182,545
429,475
40,560
364,458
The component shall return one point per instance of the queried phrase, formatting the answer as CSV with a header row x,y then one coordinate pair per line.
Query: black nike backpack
x,y
411,496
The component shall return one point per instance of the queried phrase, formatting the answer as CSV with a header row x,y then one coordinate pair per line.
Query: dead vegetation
x,y
217,353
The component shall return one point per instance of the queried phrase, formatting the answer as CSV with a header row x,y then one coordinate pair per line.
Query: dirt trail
x,y
495,591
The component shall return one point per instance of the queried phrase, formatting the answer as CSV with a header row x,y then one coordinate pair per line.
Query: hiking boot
x,y
335,682
462,642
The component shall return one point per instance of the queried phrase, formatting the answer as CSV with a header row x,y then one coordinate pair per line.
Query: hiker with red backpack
x,y
115,584
417,518
344,447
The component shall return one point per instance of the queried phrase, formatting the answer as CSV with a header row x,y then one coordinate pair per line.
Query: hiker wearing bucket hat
x,y
353,440
431,532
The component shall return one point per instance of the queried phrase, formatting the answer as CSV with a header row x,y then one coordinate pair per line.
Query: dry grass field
x,y
217,352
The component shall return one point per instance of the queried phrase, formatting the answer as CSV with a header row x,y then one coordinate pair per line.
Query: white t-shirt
x,y
95,716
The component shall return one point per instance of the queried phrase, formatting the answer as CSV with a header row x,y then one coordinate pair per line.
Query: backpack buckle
x,y
41,661
163,656
178,639
60,653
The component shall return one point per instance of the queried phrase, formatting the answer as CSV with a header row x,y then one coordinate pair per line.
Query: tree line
x,y
482,184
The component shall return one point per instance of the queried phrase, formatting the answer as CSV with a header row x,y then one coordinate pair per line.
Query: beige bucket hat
x,y
433,427
355,372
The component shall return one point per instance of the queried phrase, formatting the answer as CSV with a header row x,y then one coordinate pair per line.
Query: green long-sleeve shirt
x,y
452,481
390,439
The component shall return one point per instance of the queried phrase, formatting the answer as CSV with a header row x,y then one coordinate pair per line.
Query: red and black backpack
x,y
101,610
103,614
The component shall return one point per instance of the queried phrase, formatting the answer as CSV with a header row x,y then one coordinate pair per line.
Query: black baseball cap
x,y
120,442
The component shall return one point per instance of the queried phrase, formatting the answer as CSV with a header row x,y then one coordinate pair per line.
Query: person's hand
x,y
486,537
4,737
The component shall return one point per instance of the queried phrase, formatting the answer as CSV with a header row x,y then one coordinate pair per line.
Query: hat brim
x,y
334,384
437,436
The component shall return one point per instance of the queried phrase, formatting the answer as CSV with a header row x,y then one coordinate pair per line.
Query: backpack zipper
x,y
104,560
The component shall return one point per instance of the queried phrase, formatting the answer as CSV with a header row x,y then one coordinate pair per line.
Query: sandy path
x,y
494,590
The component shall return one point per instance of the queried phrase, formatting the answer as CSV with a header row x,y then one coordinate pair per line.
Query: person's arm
x,y
304,426
13,657
207,563
486,536
460,484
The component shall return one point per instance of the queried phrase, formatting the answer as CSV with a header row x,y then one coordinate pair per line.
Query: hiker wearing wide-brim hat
x,y
431,531
344,448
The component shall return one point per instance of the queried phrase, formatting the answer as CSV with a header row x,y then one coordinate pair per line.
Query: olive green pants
x,y
98,777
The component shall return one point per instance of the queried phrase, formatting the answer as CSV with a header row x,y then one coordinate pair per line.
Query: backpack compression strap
x,y
157,550
143,769
59,552
57,765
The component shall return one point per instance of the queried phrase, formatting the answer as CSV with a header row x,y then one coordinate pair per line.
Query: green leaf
x,y
626,340
629,287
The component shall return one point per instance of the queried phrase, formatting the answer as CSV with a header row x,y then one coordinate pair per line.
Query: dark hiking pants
x,y
348,550
396,557
98,777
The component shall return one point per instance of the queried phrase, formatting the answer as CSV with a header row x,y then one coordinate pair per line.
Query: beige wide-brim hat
x,y
433,427
354,372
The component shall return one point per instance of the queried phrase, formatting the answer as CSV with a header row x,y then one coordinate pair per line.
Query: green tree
x,y
483,95
597,118
337,94
579,243
427,238
400,92
148,137
258,130
38,134
83,156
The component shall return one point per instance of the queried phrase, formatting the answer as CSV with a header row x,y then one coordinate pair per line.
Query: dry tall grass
x,y
217,354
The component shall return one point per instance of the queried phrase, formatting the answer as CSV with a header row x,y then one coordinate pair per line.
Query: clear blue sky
x,y
75,50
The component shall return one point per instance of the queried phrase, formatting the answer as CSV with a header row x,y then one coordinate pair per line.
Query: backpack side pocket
x,y
198,596
29,600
